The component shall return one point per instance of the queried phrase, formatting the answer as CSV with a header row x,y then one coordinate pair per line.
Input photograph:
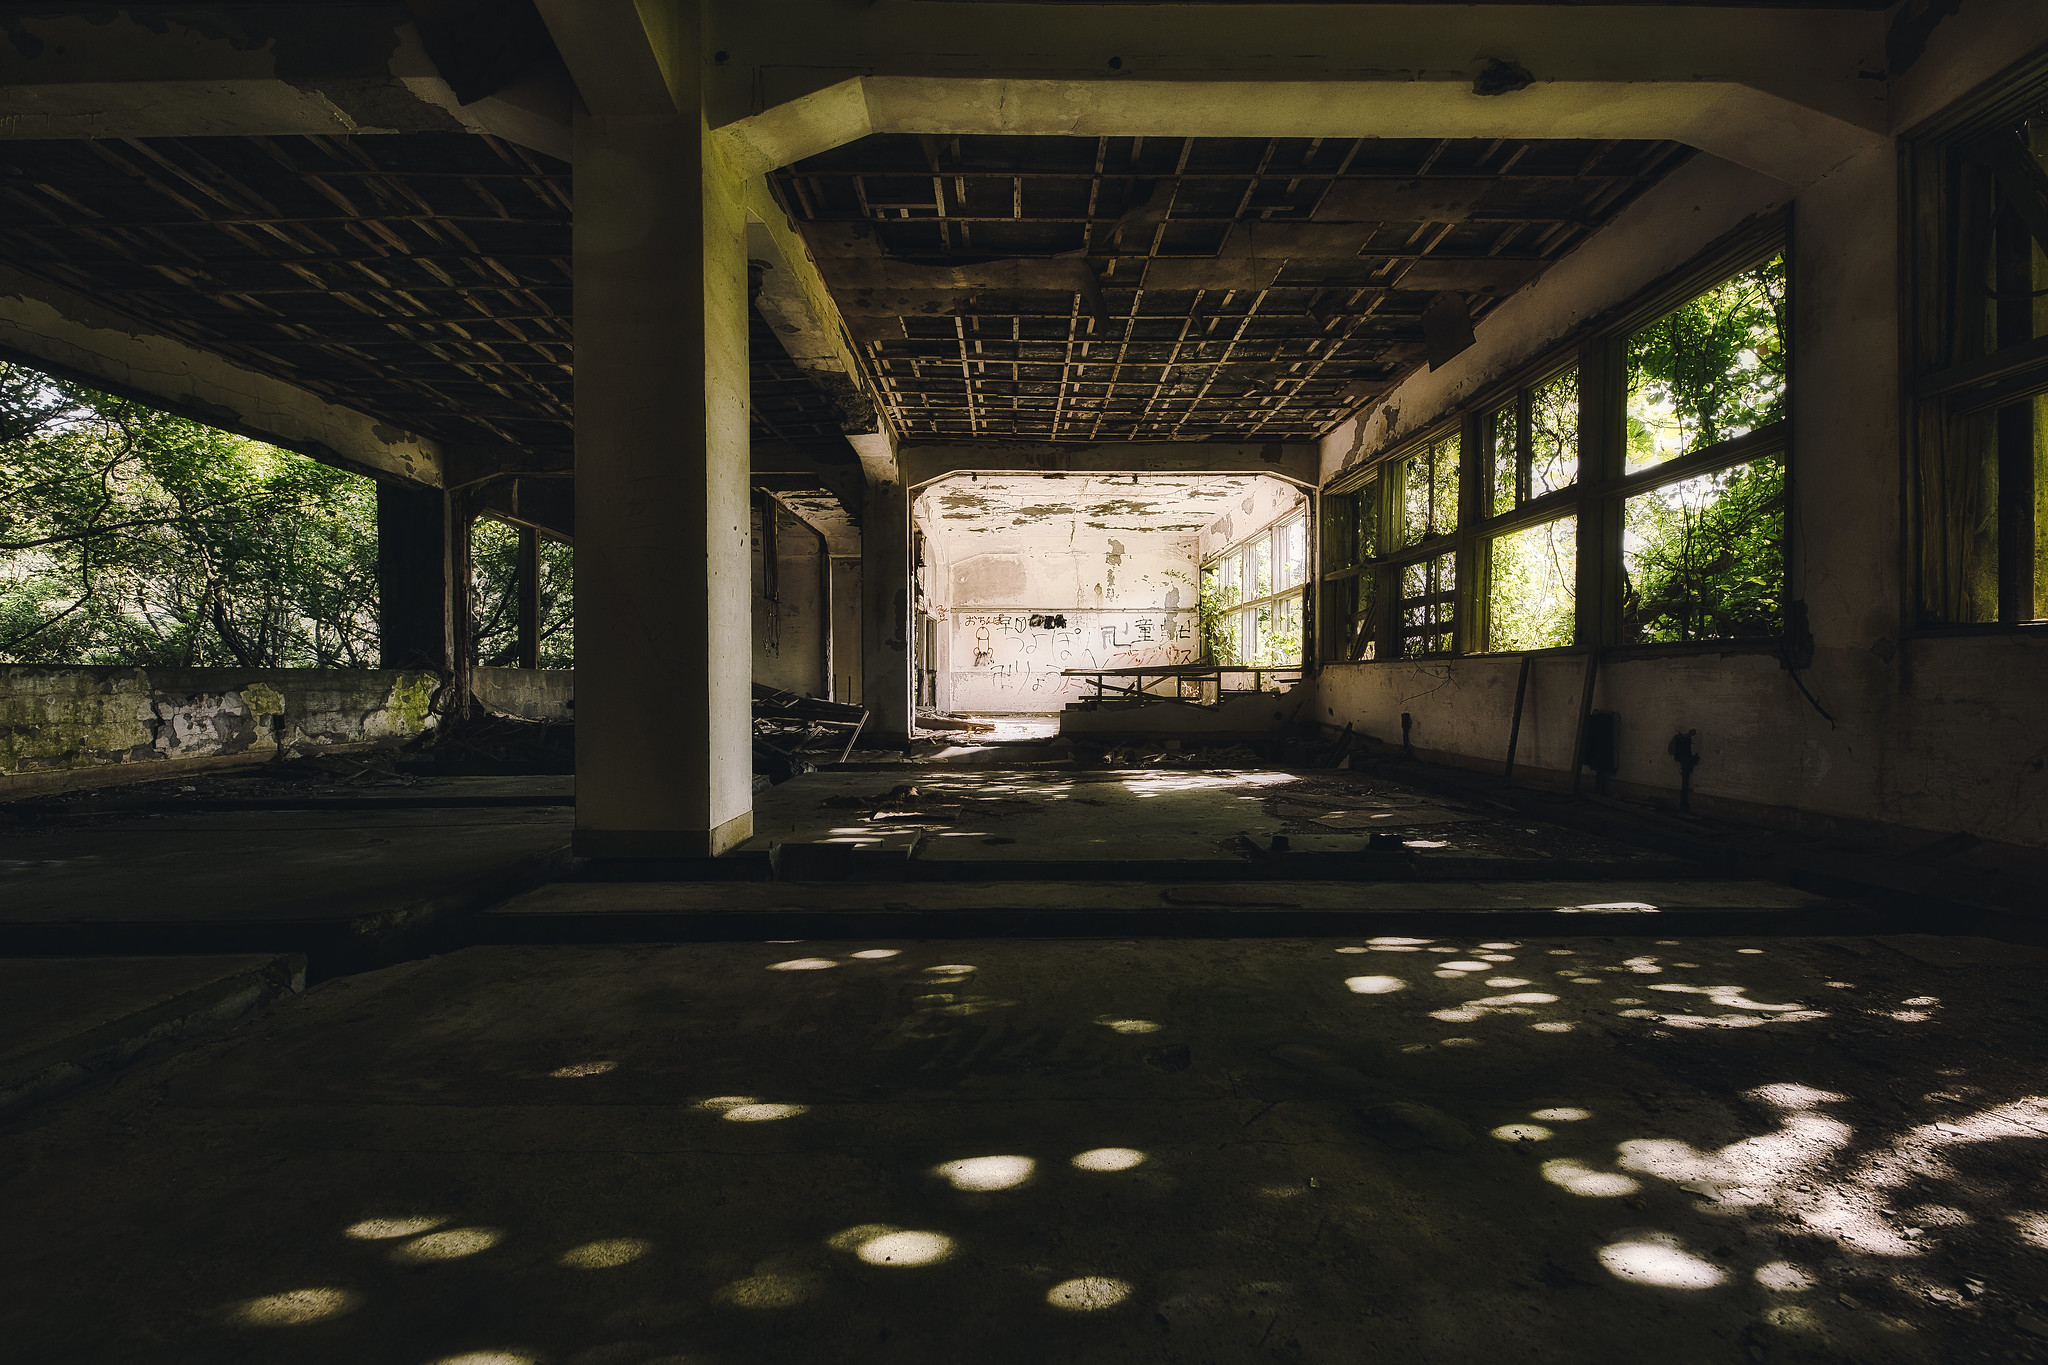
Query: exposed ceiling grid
x,y
1182,288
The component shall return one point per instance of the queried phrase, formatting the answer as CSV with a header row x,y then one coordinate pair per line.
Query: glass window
x,y
1428,590
1293,552
1259,567
1429,491
1704,558
1500,432
1554,434
1710,370
1533,586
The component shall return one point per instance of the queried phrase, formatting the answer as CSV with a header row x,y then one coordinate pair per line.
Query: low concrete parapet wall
x,y
529,693
64,727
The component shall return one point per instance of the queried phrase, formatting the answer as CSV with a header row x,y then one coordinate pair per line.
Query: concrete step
x,y
64,1020
587,912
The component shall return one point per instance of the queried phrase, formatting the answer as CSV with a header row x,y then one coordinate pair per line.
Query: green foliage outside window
x,y
1532,587
128,536
1709,370
1220,630
1704,559
494,569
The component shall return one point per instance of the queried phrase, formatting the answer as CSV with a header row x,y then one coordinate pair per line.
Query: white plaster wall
x,y
1013,614
1936,733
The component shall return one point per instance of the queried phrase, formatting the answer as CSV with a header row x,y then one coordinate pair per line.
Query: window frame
x,y
1595,498
1945,384
1270,535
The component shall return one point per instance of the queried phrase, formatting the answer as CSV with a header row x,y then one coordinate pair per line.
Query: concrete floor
x,y
1474,1149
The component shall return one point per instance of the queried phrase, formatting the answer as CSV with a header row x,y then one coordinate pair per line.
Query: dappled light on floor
x,y
1374,985
295,1307
1109,1159
1090,1294
489,1358
802,964
613,1251
1658,1259
451,1245
1127,1025
986,1172
580,1069
900,1248
381,1229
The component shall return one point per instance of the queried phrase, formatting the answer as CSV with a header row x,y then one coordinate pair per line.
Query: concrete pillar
x,y
846,644
663,749
885,613
416,616
529,597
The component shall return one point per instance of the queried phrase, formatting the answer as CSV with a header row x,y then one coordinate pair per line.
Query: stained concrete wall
x,y
1012,616
132,724
792,641
529,693
1930,732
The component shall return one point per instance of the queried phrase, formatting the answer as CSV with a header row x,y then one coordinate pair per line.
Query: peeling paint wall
x,y
63,719
1258,507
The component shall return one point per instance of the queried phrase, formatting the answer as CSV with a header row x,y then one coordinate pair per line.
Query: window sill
x,y
1981,628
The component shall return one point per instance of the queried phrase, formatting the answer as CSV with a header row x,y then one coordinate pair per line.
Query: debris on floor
x,y
796,734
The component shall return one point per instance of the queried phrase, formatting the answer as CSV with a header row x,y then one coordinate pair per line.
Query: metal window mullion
x,y
1603,426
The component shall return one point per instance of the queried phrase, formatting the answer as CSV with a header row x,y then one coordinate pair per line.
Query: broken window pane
x,y
1554,434
1976,486
1428,589
1704,558
1710,370
1500,430
1533,587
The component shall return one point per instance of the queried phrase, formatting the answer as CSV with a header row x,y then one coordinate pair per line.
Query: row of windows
x,y
1252,598
1659,496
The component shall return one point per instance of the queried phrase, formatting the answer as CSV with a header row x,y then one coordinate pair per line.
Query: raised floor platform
x,y
350,874
582,912
65,1020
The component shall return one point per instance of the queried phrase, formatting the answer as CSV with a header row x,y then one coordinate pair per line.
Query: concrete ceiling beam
x,y
618,52
53,329
250,70
547,505
822,509
797,303
1758,129
923,462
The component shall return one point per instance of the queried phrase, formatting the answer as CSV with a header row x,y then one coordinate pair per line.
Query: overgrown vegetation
x,y
1221,631
129,536
494,568
1710,370
132,537
1705,557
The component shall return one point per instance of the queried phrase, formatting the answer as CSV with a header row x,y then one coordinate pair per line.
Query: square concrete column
x,y
663,708
416,601
885,613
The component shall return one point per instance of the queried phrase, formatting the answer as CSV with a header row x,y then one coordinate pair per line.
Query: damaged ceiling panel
x,y
1186,289
1003,504
422,278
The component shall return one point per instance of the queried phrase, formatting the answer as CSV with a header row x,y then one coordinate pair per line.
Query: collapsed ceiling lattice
x,y
422,278
1127,288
